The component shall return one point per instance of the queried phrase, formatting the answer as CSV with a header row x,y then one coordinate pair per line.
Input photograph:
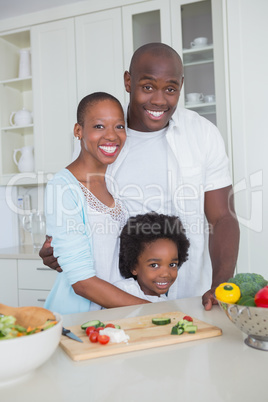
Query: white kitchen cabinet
x,y
35,281
8,282
15,94
99,53
54,95
144,23
205,68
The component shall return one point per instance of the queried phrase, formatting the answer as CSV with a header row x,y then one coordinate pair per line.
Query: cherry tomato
x,y
93,337
261,297
109,326
98,329
89,330
188,318
103,339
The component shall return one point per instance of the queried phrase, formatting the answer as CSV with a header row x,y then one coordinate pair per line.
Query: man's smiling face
x,y
154,85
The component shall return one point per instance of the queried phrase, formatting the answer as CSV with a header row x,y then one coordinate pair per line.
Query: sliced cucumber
x,y
92,323
184,322
177,330
117,326
161,321
191,329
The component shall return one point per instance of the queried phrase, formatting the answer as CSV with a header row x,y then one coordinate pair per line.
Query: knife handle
x,y
65,331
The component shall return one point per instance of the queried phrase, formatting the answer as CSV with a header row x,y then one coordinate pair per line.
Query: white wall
x,y
248,63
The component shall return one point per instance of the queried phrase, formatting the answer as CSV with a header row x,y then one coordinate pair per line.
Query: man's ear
x,y
127,81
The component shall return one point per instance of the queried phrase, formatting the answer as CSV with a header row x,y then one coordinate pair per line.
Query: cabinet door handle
x,y
41,300
43,269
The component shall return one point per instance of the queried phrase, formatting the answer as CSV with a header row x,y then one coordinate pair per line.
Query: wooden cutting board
x,y
142,332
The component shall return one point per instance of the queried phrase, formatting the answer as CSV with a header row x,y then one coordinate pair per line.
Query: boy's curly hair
x,y
145,229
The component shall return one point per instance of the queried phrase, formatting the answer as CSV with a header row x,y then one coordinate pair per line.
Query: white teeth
x,y
108,149
161,283
155,114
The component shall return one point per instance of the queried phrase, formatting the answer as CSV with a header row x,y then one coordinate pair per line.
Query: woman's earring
x,y
78,138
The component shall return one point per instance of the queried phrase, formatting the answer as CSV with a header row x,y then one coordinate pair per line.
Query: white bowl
x,y
21,356
253,321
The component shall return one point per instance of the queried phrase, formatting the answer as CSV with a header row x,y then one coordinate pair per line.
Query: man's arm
x,y
223,238
46,253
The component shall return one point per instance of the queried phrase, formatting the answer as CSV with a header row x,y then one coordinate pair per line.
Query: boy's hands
x,y
46,253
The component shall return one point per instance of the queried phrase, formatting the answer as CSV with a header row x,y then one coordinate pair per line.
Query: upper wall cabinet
x,y
144,23
70,59
54,83
99,53
198,36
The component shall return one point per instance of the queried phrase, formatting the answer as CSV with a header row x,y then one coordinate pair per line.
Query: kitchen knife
x,y
70,334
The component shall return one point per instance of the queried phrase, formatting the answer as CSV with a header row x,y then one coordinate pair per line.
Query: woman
x,y
83,218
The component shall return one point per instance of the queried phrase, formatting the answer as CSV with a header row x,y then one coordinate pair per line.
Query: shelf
x,y
198,55
20,39
21,84
19,129
196,63
25,179
202,108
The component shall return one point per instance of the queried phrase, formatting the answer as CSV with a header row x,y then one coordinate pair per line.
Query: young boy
x,y
152,249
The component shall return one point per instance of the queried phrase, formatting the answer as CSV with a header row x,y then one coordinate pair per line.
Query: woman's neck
x,y
87,171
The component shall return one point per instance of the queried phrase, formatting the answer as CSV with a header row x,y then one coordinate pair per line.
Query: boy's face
x,y
103,133
157,267
154,85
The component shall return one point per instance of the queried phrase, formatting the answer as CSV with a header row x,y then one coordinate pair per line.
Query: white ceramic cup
x,y
194,97
199,42
209,98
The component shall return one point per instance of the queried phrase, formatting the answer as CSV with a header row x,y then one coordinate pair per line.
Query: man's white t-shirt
x,y
143,188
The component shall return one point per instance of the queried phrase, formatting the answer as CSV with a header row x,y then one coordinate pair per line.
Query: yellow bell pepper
x,y
228,292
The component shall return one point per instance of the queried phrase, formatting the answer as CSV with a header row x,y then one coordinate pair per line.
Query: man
x,y
174,162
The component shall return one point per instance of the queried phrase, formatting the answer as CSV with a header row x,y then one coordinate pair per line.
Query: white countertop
x,y
20,252
220,369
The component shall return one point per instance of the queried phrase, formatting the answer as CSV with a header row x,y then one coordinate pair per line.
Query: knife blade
x,y
70,335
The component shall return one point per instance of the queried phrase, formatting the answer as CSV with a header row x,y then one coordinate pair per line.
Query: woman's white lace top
x,y
118,212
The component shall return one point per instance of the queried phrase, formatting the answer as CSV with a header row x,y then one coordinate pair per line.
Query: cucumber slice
x,y
191,329
117,326
177,330
161,321
92,323
184,322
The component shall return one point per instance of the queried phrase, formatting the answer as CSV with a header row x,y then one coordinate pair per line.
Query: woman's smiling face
x,y
102,133
157,267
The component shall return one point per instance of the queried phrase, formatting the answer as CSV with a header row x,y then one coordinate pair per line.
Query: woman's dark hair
x,y
144,229
91,100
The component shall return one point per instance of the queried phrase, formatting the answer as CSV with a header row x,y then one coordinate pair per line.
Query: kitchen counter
x,y
220,369
19,252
